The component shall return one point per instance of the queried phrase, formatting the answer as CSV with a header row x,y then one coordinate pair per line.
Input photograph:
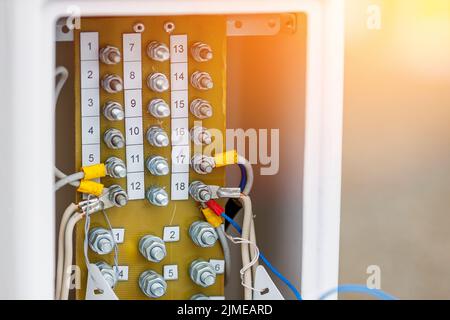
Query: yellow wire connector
x,y
226,158
91,187
95,171
211,217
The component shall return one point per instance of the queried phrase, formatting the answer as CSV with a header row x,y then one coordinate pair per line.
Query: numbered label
x,y
170,272
89,75
180,186
90,103
119,235
179,104
91,154
135,158
135,186
179,76
180,159
180,132
171,234
218,265
178,48
122,272
132,75
133,128
89,46
132,47
133,103
90,127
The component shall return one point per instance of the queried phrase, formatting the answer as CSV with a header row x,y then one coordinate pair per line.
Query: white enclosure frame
x,y
27,225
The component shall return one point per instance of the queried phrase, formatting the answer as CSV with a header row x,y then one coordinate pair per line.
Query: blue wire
x,y
266,262
243,177
356,288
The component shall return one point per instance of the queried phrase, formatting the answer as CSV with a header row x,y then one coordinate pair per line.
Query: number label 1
x,y
218,265
171,234
170,272
122,272
119,235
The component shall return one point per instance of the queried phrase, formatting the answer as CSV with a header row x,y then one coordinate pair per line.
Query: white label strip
x,y
90,98
180,117
134,136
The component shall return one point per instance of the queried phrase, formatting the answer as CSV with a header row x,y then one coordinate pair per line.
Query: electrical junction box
x,y
271,70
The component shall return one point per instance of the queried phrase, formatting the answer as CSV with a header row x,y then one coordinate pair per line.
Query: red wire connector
x,y
214,206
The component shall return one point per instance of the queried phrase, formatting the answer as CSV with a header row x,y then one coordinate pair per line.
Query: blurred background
x,y
396,165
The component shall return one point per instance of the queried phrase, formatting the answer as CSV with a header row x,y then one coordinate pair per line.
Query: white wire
x,y
68,251
246,267
245,250
70,210
63,74
226,251
73,178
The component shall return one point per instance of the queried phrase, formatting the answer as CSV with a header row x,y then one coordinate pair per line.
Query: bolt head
x,y
202,273
152,284
101,241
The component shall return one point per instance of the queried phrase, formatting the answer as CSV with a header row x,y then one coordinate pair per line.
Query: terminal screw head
x,y
202,80
112,83
203,234
202,164
158,82
157,196
152,284
158,51
118,196
201,52
159,108
201,109
202,273
114,139
200,192
115,167
157,165
157,137
152,248
110,55
108,273
101,241
113,111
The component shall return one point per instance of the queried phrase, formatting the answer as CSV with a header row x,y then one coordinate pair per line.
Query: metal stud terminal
x,y
113,111
202,164
157,165
157,196
159,108
202,273
158,82
157,137
201,109
101,241
201,80
201,52
200,192
200,135
152,284
116,168
110,55
114,139
118,196
203,234
108,273
158,51
112,83
152,248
